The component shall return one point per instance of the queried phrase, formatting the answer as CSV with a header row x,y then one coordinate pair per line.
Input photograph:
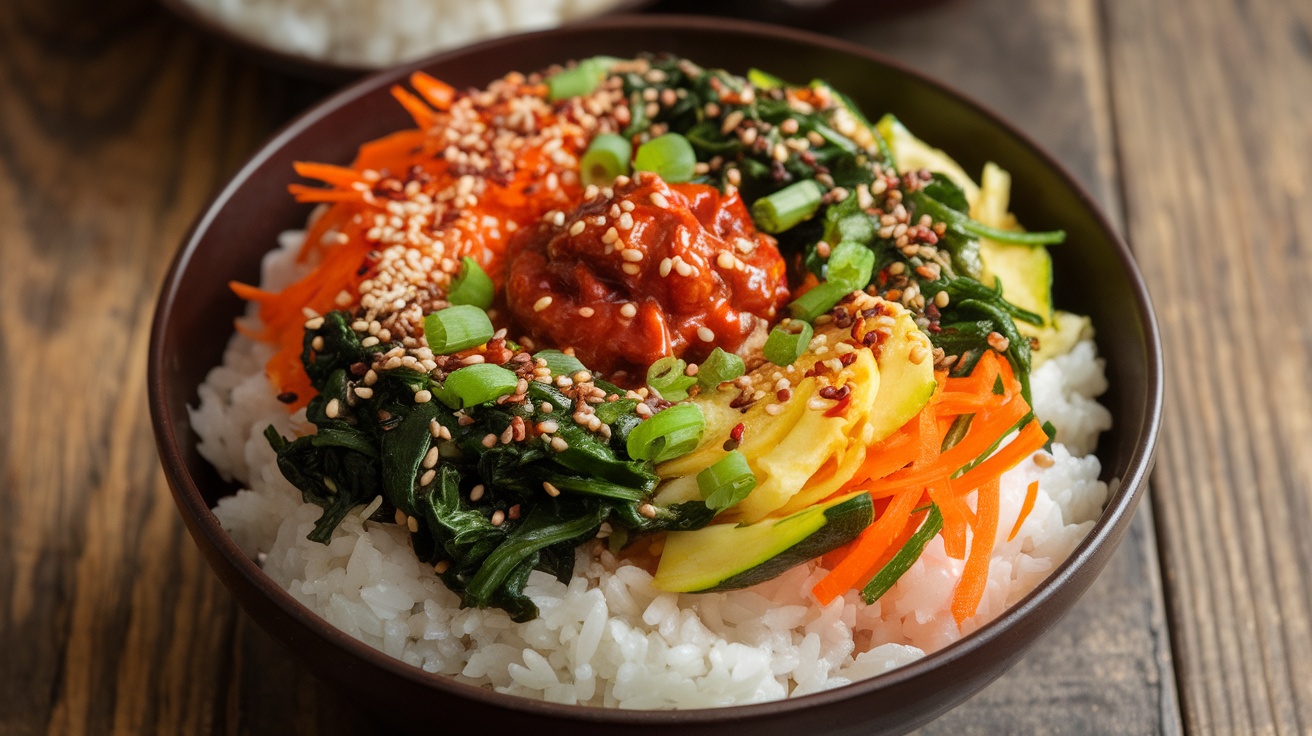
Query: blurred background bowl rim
x,y
325,69
1116,514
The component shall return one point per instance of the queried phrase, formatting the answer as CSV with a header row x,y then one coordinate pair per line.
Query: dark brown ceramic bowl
x,y
1095,275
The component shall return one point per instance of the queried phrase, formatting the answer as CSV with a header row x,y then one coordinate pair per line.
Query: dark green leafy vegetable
x,y
895,568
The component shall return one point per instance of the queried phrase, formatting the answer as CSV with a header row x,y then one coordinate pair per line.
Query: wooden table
x,y
1188,119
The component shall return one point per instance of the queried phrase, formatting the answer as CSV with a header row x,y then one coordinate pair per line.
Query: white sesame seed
x,y
705,334
476,492
431,458
317,342
647,510
625,221
666,265
659,200
631,269
725,260
558,444
498,517
628,310
610,236
632,255
774,410
314,323
541,304
577,227
412,524
489,441
681,267
333,408
423,396
586,312
427,477
364,392
369,342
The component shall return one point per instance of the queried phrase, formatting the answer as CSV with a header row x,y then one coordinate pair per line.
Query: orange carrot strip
x,y
422,114
437,93
885,458
957,516
984,431
341,177
303,193
869,546
1031,494
1031,438
975,576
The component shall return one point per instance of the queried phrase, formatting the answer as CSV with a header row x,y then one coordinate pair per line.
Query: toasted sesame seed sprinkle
x,y
442,566
558,444
333,409
577,227
632,255
489,441
659,200
476,493
364,392
550,489
423,396
666,265
647,510
628,310
705,334
431,458
631,269
541,304
498,517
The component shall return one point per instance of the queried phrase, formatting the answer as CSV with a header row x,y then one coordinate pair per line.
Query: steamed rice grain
x,y
609,638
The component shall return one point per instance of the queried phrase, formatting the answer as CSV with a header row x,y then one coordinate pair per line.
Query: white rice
x,y
609,638
378,33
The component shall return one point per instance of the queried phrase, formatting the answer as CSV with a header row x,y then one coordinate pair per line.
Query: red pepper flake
x,y
838,409
736,434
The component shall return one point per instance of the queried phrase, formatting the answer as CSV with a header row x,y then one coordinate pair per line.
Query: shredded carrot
x,y
341,177
970,590
422,114
437,93
869,546
1031,494
1031,438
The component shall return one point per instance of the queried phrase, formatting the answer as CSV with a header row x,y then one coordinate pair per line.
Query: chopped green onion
x,y
472,286
764,80
671,156
851,264
456,328
673,432
818,300
719,367
858,228
477,384
788,207
668,377
785,345
905,557
559,363
606,158
727,481
579,80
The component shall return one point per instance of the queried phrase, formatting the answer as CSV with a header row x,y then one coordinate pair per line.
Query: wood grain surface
x,y
1186,119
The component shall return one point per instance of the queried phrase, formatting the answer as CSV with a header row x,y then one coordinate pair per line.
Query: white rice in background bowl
x,y
608,638
379,33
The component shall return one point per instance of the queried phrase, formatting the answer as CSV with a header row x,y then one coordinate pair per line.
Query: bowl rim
x,y
1110,523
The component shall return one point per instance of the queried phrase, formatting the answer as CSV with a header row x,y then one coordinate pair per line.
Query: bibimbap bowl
x,y
1094,275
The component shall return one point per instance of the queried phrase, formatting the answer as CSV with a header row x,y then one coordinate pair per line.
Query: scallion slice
x,y
726,482
671,156
472,286
559,363
477,384
764,80
606,158
788,207
719,367
669,378
580,79
818,300
456,328
673,432
852,264
787,342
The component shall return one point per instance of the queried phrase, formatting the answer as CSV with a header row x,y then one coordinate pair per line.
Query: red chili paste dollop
x,y
644,271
